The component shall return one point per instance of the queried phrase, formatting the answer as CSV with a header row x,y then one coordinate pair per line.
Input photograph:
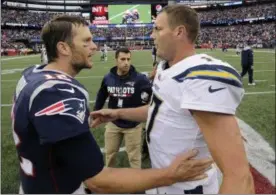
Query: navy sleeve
x,y
82,156
58,113
145,88
101,96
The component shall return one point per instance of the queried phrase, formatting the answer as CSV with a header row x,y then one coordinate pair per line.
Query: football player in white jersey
x,y
195,97
104,51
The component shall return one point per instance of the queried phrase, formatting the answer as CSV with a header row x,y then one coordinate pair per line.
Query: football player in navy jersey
x,y
50,117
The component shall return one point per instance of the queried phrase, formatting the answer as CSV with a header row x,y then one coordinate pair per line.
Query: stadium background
x,y
223,24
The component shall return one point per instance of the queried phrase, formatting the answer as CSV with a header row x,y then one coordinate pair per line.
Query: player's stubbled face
x,y
83,48
163,38
123,62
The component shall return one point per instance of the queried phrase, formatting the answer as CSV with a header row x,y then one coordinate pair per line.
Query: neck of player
x,y
182,53
62,68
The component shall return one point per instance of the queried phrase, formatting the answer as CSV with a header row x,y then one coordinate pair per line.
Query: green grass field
x,y
115,13
257,109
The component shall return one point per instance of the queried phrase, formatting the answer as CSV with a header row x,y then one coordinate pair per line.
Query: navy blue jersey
x,y
51,131
129,91
247,57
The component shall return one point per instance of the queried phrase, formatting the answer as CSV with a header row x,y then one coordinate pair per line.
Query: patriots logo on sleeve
x,y
73,107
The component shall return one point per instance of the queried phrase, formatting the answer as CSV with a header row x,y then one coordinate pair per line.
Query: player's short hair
x,y
59,29
183,15
121,50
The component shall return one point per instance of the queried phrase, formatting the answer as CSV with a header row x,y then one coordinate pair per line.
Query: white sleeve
x,y
212,96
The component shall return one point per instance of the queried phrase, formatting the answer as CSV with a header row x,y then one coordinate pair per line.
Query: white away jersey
x,y
199,82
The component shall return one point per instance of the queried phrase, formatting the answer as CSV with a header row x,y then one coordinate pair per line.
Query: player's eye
x,y
88,40
156,28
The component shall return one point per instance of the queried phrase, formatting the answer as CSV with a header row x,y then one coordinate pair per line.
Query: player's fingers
x,y
95,122
198,177
99,113
204,168
202,162
197,172
95,114
188,155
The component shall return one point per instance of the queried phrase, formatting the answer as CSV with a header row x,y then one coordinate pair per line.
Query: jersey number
x,y
156,103
57,76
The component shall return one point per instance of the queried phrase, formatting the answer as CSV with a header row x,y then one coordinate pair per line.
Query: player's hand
x,y
102,116
186,168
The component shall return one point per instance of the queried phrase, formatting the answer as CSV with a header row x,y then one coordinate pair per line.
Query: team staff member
x,y
247,63
126,88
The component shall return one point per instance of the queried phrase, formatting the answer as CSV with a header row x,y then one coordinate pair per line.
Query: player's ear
x,y
63,48
181,31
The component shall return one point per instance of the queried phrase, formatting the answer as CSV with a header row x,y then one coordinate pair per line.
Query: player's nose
x,y
93,46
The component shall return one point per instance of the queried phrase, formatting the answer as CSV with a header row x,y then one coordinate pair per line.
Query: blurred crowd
x,y
232,35
39,19
255,11
26,17
9,36
252,33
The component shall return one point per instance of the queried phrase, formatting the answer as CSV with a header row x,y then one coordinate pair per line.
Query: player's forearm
x,y
243,184
138,114
127,180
